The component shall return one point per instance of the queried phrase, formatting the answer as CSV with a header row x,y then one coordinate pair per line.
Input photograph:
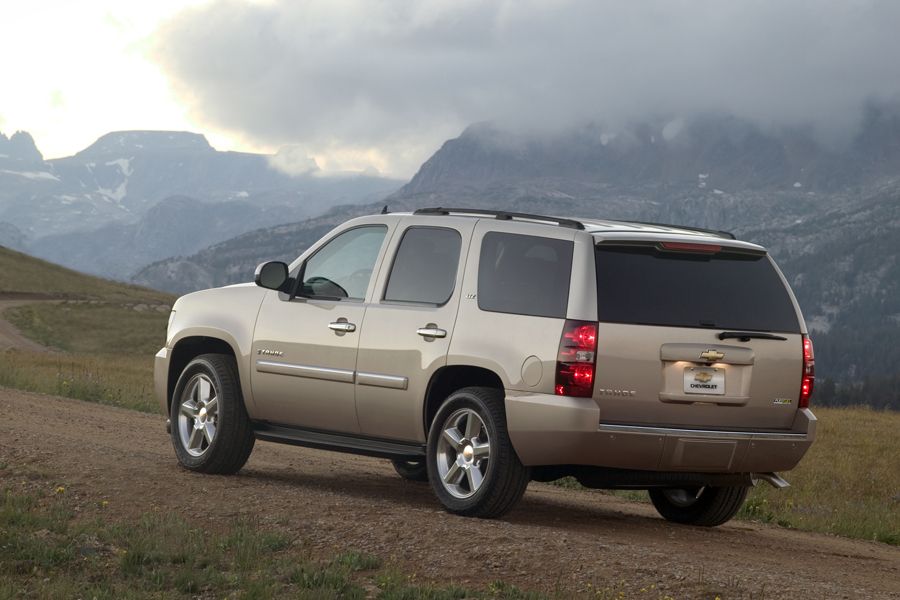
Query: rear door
x,y
660,360
408,327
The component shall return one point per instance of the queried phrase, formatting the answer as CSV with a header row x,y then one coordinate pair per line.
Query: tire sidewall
x,y
198,366
456,401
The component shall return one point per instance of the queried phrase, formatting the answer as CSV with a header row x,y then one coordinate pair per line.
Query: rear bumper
x,y
559,430
161,379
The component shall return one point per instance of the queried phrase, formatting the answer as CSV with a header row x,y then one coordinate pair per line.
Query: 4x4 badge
x,y
712,355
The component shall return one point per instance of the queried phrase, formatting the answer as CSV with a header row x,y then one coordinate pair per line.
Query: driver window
x,y
343,267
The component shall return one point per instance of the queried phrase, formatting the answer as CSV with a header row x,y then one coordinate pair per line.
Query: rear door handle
x,y
342,326
431,332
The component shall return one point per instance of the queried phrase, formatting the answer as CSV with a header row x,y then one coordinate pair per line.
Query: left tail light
x,y
576,360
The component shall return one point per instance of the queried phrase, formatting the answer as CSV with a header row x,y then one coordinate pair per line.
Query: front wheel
x,y
472,465
703,506
210,428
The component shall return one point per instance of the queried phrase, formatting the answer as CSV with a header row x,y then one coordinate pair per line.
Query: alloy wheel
x,y
198,414
463,453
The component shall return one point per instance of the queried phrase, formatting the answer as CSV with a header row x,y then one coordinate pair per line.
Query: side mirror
x,y
272,275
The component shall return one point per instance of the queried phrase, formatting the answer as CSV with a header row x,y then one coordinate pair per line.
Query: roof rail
x,y
501,215
716,232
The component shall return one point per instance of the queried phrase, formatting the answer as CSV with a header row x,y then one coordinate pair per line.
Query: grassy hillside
x,y
23,274
103,333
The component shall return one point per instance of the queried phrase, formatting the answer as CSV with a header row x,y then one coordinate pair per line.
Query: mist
x,y
360,84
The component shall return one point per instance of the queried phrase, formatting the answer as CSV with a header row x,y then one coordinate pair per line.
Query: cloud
x,y
390,80
294,160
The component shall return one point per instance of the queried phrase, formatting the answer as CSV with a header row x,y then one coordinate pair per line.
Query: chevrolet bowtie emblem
x,y
703,377
712,355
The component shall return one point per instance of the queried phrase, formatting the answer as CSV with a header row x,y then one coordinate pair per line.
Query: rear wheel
x,y
703,506
413,470
472,465
210,428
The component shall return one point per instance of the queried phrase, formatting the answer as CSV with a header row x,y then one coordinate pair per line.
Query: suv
x,y
479,350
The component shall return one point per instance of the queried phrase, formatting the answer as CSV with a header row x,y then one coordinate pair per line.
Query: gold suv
x,y
480,350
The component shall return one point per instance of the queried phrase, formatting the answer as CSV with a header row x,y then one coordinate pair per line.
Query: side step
x,y
338,442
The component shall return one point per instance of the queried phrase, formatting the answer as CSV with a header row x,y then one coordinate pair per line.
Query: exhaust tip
x,y
169,426
773,479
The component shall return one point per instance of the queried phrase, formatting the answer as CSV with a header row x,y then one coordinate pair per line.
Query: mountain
x,y
829,213
65,209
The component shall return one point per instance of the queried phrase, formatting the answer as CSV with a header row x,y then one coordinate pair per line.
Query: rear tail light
x,y
809,372
576,359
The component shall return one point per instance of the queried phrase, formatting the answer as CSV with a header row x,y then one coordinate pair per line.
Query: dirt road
x,y
555,539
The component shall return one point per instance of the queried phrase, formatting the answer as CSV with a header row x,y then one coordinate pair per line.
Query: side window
x,y
343,267
424,269
524,274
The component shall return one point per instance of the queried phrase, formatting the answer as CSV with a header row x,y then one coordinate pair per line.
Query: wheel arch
x,y
450,378
188,348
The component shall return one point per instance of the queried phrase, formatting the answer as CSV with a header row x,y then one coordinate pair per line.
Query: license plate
x,y
704,380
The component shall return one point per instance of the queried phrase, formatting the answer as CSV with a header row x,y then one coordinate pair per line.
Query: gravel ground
x,y
555,540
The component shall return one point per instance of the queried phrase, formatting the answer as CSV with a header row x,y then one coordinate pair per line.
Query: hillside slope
x,y
22,275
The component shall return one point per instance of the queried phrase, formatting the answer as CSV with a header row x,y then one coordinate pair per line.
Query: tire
x,y
412,470
210,428
704,507
474,470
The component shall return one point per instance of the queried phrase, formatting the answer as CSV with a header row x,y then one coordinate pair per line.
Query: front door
x,y
304,349
408,326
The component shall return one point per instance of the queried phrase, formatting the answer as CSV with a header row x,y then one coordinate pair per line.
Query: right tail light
x,y
809,372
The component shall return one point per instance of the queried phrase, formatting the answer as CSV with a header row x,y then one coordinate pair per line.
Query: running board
x,y
338,442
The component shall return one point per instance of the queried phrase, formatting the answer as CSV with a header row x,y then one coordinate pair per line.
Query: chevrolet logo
x,y
712,355
703,377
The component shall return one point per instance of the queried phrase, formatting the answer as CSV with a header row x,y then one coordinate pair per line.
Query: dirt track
x,y
555,539
10,337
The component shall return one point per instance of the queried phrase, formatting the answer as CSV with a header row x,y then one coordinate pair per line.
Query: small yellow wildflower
x,y
60,490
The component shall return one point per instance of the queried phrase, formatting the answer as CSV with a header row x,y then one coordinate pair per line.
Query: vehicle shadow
x,y
565,511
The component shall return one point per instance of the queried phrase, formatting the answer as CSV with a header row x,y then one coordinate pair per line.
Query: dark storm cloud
x,y
400,76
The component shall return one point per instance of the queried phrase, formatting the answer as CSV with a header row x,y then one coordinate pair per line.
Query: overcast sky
x,y
381,84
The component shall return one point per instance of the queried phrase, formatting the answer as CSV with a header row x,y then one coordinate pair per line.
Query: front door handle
x,y
342,326
431,332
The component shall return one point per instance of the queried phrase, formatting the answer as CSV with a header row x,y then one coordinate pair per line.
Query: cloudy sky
x,y
380,84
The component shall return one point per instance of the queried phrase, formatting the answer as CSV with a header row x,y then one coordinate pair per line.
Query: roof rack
x,y
501,215
716,232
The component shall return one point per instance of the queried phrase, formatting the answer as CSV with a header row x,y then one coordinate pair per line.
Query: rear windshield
x,y
643,285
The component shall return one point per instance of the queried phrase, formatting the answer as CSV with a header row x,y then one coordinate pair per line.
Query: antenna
x,y
384,210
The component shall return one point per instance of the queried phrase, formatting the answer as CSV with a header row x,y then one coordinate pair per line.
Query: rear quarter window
x,y
725,290
524,274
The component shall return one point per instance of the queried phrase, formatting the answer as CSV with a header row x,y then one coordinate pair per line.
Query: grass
x,y
49,548
84,328
848,484
125,380
23,274
98,362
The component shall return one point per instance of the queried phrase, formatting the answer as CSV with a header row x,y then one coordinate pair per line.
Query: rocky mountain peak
x,y
119,143
20,147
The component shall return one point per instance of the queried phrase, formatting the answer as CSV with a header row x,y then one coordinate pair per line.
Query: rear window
x,y
726,290
524,274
